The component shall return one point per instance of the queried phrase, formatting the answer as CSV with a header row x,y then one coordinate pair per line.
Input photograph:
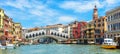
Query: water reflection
x,y
59,49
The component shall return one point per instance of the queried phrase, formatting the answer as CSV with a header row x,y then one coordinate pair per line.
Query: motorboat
x,y
2,47
10,46
109,44
91,42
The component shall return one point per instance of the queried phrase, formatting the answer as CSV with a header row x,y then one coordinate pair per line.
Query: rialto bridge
x,y
35,35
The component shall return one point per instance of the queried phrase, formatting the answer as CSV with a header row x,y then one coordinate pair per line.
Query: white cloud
x,y
29,7
80,6
20,4
66,19
110,4
60,20
42,13
85,6
110,1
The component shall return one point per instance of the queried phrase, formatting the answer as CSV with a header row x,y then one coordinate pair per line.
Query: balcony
x,y
90,27
92,31
87,32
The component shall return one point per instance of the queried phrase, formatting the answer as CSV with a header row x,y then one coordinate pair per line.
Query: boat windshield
x,y
108,40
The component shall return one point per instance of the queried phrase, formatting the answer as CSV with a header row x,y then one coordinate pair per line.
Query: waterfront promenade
x,y
60,49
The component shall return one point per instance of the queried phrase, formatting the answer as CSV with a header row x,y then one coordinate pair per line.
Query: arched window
x,y
33,35
43,33
36,34
58,34
30,36
61,35
39,33
64,36
51,33
55,34
26,36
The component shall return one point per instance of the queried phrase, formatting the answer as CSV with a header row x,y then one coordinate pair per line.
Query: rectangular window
x,y
99,25
99,20
111,18
108,18
108,27
103,24
119,25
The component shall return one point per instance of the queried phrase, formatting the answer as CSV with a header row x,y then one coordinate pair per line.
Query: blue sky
x,y
31,13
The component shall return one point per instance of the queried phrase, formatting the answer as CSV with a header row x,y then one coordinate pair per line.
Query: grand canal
x,y
60,49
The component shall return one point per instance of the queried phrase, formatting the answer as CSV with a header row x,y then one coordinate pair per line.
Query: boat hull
x,y
109,46
2,47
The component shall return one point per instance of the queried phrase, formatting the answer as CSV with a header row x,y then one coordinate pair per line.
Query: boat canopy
x,y
108,40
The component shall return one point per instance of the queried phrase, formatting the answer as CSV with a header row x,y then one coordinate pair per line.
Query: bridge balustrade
x,y
43,33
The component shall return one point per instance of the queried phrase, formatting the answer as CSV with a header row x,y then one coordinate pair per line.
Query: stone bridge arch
x,y
43,33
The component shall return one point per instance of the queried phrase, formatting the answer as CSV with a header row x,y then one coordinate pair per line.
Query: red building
x,y
77,29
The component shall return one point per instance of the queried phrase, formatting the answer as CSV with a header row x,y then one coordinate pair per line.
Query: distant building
x,y
76,29
33,29
66,29
90,32
24,31
96,28
113,22
57,27
8,27
18,30
83,30
100,27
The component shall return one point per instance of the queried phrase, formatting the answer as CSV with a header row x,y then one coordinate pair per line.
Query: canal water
x,y
60,49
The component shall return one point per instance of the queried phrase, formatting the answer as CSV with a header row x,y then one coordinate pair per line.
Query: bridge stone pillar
x,y
47,31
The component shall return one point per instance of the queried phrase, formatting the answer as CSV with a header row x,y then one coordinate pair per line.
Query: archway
x,y
47,39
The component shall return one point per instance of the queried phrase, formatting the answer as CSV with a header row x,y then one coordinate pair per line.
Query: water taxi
x,y
2,47
109,44
7,45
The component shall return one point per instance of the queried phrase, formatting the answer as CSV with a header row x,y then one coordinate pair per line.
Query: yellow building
x,y
96,28
1,22
100,27
17,30
90,32
4,24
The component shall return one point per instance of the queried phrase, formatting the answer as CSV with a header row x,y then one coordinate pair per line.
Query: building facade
x,y
66,29
57,27
18,30
113,22
90,32
2,15
96,28
24,31
7,26
76,29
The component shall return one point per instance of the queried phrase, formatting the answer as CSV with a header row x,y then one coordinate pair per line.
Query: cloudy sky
x,y
31,13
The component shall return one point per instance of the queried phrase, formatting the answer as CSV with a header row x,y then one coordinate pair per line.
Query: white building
x,y
113,22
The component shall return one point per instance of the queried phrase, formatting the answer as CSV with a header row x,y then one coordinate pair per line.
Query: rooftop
x,y
112,10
